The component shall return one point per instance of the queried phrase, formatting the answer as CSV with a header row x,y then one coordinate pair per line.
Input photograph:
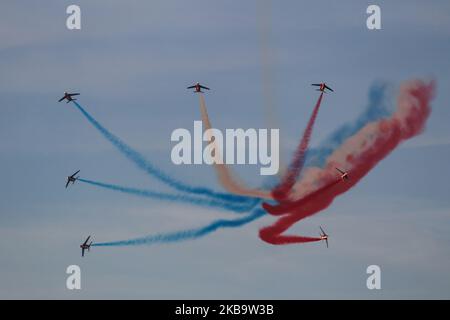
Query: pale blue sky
x,y
132,62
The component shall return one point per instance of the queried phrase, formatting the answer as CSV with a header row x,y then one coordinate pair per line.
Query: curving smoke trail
x,y
288,206
204,202
296,166
149,168
376,109
185,234
226,178
358,155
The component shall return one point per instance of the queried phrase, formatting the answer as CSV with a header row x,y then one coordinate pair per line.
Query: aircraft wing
x,y
85,243
329,88
326,240
191,87
322,230
67,184
62,99
204,87
82,252
342,172
74,94
316,84
75,174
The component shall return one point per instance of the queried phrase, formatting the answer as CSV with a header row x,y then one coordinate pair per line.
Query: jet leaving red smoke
x,y
296,166
358,155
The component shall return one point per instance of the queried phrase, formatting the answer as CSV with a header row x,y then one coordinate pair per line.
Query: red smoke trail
x,y
287,206
288,181
360,153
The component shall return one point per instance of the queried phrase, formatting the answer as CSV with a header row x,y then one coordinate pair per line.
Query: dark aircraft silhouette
x,y
69,97
344,175
323,236
198,87
322,87
85,246
72,179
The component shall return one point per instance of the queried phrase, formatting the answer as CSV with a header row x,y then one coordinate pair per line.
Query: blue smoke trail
x,y
232,206
145,165
185,234
375,110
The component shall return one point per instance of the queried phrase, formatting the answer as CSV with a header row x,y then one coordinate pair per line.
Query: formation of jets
x,y
69,97
85,246
197,88
322,87
72,178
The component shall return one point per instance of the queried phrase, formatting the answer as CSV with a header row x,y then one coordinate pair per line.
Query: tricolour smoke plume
x,y
357,155
377,108
318,187
226,178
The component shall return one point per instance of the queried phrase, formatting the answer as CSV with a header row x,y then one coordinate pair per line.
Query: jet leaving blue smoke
x,y
145,165
185,234
206,202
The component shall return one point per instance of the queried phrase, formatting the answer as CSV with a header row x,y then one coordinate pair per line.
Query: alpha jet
x,y
198,87
72,178
322,87
344,174
85,246
323,236
69,97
